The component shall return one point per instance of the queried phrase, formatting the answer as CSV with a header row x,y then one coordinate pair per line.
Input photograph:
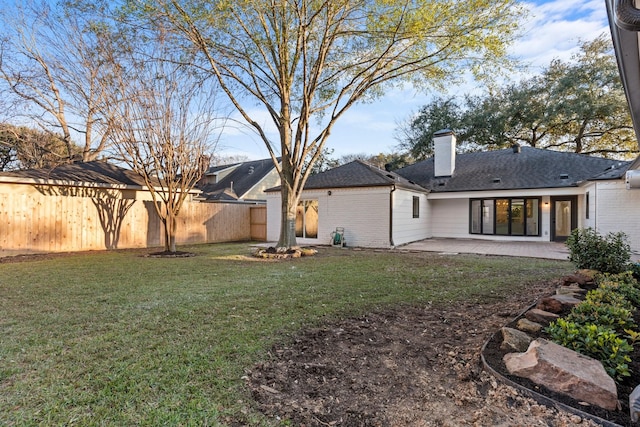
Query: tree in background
x,y
576,106
53,68
25,148
415,134
307,62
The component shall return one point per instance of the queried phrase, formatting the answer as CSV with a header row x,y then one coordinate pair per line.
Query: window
x,y
586,203
307,219
416,207
505,217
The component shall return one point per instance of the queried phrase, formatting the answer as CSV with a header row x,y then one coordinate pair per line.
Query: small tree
x,y
164,129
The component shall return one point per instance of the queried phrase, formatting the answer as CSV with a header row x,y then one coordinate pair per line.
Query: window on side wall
x,y
416,207
586,205
307,219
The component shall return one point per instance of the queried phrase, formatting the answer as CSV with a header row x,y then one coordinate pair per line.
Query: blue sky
x,y
553,29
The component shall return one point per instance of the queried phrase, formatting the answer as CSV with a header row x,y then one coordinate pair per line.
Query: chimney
x,y
444,152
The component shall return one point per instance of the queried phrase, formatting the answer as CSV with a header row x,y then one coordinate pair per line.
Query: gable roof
x,y
358,174
96,172
238,182
512,169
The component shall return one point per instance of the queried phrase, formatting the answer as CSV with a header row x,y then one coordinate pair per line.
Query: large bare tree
x,y
54,66
306,62
165,129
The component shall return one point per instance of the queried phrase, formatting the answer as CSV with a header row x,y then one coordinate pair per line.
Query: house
x,y
244,181
377,208
520,193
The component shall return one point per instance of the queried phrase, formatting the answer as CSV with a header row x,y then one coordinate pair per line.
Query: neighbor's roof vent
x,y
250,170
564,176
496,180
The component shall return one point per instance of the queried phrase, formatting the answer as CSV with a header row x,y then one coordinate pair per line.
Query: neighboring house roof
x,y
234,185
96,172
512,169
357,174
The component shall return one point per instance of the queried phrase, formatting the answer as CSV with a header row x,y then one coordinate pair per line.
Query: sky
x,y
553,29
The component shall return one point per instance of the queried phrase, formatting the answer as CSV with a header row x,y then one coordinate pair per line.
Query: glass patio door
x,y
564,217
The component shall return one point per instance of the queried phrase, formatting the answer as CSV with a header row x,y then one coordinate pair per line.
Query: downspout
x,y
627,16
393,189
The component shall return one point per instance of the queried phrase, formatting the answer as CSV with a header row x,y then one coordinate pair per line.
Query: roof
x,y
96,172
239,181
358,174
511,169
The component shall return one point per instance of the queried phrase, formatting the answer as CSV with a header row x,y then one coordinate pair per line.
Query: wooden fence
x,y
46,218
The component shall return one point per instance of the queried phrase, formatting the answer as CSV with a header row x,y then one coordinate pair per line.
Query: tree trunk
x,y
172,226
288,221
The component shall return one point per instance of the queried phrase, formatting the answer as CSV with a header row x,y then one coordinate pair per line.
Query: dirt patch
x,y
412,366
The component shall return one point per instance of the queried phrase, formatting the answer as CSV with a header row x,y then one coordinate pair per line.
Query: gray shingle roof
x,y
96,172
358,174
509,170
242,179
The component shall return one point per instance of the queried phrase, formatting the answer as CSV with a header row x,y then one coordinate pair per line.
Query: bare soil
x,y
411,366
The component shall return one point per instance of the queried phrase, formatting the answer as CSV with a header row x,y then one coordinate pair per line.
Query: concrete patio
x,y
549,250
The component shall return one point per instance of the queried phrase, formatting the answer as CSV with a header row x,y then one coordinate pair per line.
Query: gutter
x,y
393,189
624,22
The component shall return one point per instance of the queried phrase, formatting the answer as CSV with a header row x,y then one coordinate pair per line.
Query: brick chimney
x,y
444,153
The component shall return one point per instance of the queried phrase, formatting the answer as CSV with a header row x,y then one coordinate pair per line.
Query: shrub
x,y
624,284
608,254
618,318
599,342
604,295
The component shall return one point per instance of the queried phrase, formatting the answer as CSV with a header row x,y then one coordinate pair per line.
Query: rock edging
x,y
528,392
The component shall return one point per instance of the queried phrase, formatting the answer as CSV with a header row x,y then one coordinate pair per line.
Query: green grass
x,y
117,339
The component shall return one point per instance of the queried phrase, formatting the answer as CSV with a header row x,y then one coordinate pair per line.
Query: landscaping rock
x,y
565,371
557,303
541,316
526,325
579,278
515,340
572,289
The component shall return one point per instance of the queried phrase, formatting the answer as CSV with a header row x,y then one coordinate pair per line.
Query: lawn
x,y
119,339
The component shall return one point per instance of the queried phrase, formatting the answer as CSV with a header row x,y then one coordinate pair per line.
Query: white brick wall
x,y
450,218
617,209
363,212
406,228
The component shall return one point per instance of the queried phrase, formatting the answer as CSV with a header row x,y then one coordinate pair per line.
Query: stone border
x,y
540,398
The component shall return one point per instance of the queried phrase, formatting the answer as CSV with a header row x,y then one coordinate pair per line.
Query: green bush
x,y
607,296
599,342
608,254
623,283
617,318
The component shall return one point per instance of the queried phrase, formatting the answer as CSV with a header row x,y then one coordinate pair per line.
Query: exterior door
x,y
564,217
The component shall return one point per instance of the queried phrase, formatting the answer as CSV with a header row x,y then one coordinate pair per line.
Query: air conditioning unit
x,y
632,179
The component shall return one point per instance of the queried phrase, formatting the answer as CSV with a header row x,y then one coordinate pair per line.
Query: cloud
x,y
555,29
